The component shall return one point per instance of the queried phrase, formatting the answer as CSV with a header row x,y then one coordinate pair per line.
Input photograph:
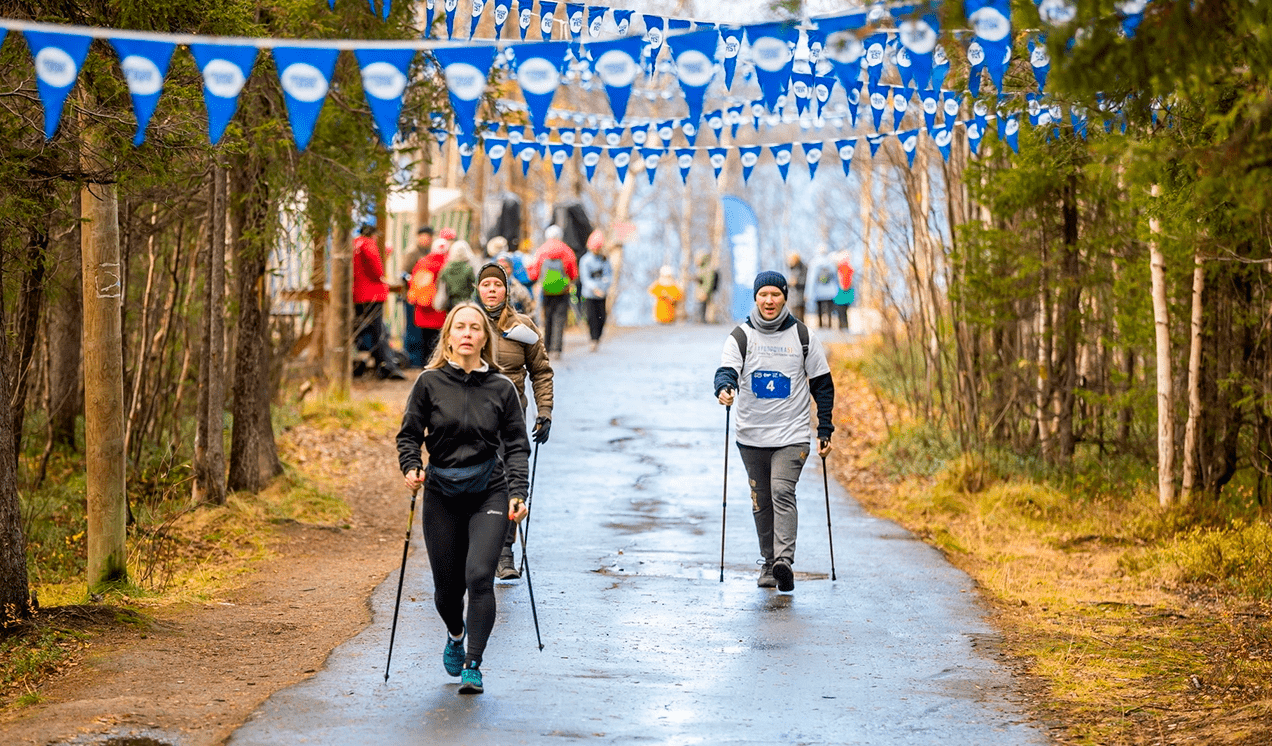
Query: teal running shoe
x,y
470,681
453,656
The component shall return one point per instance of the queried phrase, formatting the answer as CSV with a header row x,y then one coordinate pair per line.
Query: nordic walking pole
x,y
525,525
530,587
401,576
724,503
829,534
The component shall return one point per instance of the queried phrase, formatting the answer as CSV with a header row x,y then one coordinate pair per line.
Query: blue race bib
x,y
768,384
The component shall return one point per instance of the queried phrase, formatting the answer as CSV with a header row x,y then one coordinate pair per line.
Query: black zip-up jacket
x,y
461,418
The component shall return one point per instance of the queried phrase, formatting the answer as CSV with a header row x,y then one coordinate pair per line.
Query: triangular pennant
x,y
478,7
950,106
1039,60
974,134
980,112
874,46
539,74
305,74
812,156
640,135
782,157
655,33
771,53
145,65
731,43
846,150
694,54
652,156
823,89
1132,12
878,103
466,148
942,137
524,152
666,130
430,15
918,37
749,156
547,15
465,69
684,159
874,140
854,103
1011,134
567,136
574,19
622,158
940,67
58,58
909,143
384,79
1056,12
503,9
617,63
516,135
591,158
623,20
900,104
385,9
991,24
931,101
560,155
816,42
904,68
496,149
613,136
1000,116
715,120
735,119
802,87
1034,107
525,15
595,20
587,136
450,6
718,157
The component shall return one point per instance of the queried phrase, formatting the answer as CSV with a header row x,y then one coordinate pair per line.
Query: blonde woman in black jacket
x,y
461,409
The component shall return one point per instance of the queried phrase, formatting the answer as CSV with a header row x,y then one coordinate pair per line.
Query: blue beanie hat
x,y
765,279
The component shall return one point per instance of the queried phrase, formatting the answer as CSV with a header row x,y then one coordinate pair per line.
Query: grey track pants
x,y
773,473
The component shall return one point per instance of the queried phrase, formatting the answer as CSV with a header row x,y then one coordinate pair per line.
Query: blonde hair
x,y
442,353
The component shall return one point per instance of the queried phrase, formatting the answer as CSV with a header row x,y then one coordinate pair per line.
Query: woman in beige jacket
x,y
519,352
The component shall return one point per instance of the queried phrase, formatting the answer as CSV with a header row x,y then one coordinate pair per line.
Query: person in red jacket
x,y
370,291
555,268
424,289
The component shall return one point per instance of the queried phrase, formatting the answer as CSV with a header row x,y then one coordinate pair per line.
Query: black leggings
x,y
463,537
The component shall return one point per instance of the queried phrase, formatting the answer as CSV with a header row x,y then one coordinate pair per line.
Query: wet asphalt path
x,y
644,645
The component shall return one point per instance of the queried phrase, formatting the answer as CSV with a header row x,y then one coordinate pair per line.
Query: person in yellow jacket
x,y
667,296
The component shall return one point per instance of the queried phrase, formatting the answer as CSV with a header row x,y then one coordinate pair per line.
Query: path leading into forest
x,y
643,643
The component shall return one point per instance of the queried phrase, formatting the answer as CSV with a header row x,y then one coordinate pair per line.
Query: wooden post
x,y
1165,385
103,375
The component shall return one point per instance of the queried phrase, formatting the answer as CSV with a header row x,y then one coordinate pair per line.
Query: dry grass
x,y
1124,632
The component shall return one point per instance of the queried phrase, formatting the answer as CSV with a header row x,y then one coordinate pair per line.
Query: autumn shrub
x,y
1235,558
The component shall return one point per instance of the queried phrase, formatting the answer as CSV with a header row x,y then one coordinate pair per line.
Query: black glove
x,y
541,427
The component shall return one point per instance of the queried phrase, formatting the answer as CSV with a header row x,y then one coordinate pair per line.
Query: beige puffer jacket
x,y
516,359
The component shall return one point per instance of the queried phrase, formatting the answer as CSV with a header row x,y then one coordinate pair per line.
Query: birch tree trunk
x,y
1194,381
1165,385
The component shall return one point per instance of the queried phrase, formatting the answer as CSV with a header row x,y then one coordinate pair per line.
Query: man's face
x,y
423,241
770,301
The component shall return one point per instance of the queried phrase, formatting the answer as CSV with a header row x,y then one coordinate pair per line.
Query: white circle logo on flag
x,y
622,159
910,143
782,157
876,14
478,7
854,96
878,100
617,69
770,54
666,131
750,159
918,36
591,159
466,149
559,156
613,138
813,155
757,110
450,5
545,25
303,82
523,19
655,37
586,138
576,24
731,46
464,81
939,57
715,122
929,106
1034,108
846,152
223,78
384,81
874,55
567,137
900,103
623,26
142,75
55,67
516,136
844,47
800,88
694,68
1057,12
538,76
688,129
685,161
541,138
1044,117
973,131
903,57
717,160
951,107
640,136
501,14
823,92
597,22
527,154
735,117
497,151
943,137
1039,57
651,161
990,24
1013,126
975,54
980,109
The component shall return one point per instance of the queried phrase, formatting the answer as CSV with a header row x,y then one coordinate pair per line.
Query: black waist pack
x,y
461,480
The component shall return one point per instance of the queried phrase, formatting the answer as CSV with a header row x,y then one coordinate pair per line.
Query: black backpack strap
x,y
739,336
803,336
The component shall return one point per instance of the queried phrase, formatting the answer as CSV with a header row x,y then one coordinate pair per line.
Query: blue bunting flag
x,y
812,156
58,59
684,159
496,149
846,150
909,143
591,158
991,24
875,45
942,137
940,67
771,52
305,74
574,19
539,75
524,152
503,9
384,78
694,54
617,63
1011,134
951,103
651,157
623,20
587,136
874,139
749,157
655,34
802,87
731,45
595,20
466,69
931,101
878,103
975,131
715,120
525,16
547,16
735,119
430,15
622,158
782,157
1039,60
450,6
613,136
900,104
718,157
561,153
640,135
145,65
